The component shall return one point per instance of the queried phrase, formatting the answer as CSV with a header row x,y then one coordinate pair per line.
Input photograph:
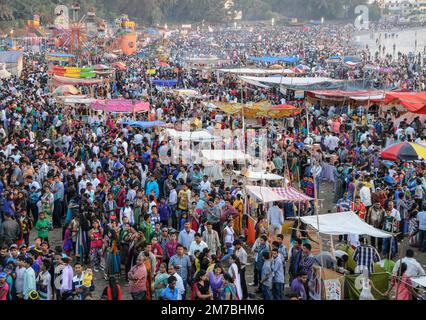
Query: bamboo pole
x,y
318,228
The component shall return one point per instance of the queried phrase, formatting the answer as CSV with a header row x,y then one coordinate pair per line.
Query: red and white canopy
x,y
268,194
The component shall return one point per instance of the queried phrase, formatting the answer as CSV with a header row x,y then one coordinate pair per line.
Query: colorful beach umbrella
x,y
405,151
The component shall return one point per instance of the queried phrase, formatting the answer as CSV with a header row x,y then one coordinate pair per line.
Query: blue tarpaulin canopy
x,y
141,54
143,124
61,55
269,59
10,56
165,83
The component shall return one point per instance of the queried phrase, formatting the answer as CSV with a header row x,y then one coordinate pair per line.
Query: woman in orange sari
x,y
238,219
150,276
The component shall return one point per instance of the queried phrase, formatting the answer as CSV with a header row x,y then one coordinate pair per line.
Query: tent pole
x,y
399,269
318,228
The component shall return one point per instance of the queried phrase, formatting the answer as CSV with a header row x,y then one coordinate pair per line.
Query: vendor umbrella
x,y
405,151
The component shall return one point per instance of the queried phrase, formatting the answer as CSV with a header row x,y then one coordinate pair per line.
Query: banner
x,y
333,290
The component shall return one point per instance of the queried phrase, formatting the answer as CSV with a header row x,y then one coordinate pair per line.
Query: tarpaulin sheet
x,y
268,194
58,80
165,83
256,71
360,95
120,105
342,223
380,281
143,124
412,101
258,110
269,59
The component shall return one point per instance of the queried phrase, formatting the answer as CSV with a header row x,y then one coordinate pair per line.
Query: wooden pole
x,y
318,228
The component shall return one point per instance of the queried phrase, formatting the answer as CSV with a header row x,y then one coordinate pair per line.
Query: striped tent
x,y
286,194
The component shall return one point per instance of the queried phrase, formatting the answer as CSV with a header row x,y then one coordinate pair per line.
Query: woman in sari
x,y
229,291
216,281
160,281
201,289
150,275
234,272
238,219
402,284
112,261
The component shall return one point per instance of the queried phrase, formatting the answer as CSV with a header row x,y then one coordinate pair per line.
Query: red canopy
x,y
120,105
414,102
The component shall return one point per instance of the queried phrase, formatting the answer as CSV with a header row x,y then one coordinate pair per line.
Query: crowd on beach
x,y
174,231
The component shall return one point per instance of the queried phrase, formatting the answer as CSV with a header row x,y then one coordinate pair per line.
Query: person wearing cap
x,y
29,278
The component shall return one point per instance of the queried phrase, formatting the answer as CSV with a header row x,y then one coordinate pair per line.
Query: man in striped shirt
x,y
365,256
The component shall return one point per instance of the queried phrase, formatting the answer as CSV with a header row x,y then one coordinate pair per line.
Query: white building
x,y
404,7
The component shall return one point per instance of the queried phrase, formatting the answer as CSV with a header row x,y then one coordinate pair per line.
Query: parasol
x,y
405,151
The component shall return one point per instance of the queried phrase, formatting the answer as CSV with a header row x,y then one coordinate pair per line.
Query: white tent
x,y
198,136
256,71
224,155
343,223
259,175
289,81
419,280
77,100
4,74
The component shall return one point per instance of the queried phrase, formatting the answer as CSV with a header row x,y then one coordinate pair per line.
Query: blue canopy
x,y
165,83
143,124
335,58
62,55
269,59
10,56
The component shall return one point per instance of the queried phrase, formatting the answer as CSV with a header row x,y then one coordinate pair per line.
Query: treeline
x,y
160,11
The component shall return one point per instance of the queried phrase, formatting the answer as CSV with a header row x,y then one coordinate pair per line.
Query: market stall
x,y
120,105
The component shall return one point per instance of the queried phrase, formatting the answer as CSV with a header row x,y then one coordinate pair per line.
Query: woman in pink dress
x,y
402,284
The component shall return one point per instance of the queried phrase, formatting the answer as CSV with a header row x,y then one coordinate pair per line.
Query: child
x,y
182,221
88,277
43,226
4,287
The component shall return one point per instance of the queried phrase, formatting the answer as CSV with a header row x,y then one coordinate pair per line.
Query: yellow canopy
x,y
256,110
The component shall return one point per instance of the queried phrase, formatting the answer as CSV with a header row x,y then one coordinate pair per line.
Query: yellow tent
x,y
258,109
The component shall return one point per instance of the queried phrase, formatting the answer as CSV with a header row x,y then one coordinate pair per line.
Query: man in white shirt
x,y
127,211
83,183
197,244
95,180
409,132
275,219
365,195
414,268
205,185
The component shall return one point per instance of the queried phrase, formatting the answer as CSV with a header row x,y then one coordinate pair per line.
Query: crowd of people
x,y
175,231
